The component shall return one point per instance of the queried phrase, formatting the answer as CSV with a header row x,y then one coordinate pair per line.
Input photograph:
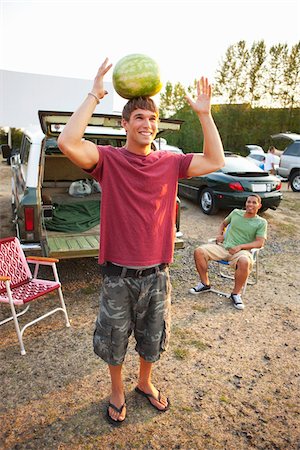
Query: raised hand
x,y
202,104
98,88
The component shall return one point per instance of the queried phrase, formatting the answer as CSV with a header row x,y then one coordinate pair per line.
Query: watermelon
x,y
136,75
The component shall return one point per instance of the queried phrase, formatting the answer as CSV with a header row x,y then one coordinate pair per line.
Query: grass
x,y
188,339
224,399
198,344
287,229
200,308
87,290
292,204
180,333
180,353
177,263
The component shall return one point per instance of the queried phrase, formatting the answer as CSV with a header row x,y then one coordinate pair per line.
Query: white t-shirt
x,y
270,160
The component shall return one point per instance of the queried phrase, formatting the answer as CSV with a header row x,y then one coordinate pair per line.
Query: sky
x,y
186,38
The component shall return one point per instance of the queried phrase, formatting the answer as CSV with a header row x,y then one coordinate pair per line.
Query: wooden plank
x,y
80,246
73,246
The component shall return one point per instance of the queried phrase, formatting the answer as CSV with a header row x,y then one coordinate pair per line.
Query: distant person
x,y
247,230
139,187
270,161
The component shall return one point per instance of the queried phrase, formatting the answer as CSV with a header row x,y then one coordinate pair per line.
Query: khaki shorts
x,y
215,252
138,305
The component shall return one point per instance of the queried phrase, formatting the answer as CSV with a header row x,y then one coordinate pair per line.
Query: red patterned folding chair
x,y
18,287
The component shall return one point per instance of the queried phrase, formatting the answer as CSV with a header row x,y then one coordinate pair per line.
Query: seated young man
x,y
247,230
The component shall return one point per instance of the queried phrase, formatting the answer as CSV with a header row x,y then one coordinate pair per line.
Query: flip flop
x,y
149,396
115,423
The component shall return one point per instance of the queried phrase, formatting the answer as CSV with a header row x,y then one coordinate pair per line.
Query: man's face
x,y
252,204
141,127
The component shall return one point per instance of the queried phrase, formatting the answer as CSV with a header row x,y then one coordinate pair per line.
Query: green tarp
x,y
72,217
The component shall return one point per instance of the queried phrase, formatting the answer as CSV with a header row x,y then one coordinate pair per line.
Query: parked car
x,y
44,181
254,148
259,158
161,144
289,166
230,186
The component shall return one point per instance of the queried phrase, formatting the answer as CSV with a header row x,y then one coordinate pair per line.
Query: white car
x,y
258,157
161,144
254,148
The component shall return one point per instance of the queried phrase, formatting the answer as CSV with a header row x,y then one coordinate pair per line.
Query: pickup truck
x,y
41,186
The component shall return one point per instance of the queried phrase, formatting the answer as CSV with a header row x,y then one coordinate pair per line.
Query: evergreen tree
x,y
172,99
231,78
261,77
256,73
274,80
291,96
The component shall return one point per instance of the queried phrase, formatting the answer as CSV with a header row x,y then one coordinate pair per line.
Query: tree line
x,y
255,75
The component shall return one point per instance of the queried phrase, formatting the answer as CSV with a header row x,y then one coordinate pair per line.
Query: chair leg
x,y
245,286
215,291
15,317
19,334
64,309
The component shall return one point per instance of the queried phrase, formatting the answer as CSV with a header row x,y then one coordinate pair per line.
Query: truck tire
x,y
207,202
295,181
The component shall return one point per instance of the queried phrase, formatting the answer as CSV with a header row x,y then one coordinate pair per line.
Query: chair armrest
x,y
41,259
212,241
255,250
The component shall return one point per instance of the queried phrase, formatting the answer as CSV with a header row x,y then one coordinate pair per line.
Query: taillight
x,y
29,218
278,186
236,186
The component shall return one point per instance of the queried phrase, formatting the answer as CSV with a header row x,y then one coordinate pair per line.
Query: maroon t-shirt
x,y
138,205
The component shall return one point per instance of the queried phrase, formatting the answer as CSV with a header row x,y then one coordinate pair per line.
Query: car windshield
x,y
239,164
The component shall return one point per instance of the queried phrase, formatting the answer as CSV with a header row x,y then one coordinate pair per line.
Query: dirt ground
x,y
232,376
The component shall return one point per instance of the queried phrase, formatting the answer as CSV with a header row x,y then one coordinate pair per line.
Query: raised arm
x,y
213,154
83,153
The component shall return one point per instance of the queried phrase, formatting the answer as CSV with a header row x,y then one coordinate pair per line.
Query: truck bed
x,y
67,244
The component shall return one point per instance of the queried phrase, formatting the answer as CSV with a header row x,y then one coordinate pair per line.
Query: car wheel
x,y
207,202
295,181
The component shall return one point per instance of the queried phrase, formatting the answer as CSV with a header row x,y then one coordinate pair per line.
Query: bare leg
x,y
201,265
117,392
241,274
145,384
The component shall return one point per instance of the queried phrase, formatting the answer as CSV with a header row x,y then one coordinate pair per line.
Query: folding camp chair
x,y
251,279
18,287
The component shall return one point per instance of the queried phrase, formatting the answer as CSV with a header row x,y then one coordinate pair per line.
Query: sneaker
x,y
237,301
199,288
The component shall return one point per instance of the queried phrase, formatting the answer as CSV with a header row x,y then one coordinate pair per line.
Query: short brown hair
x,y
139,103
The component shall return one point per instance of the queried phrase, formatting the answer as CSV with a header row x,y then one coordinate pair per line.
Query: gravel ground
x,y
232,376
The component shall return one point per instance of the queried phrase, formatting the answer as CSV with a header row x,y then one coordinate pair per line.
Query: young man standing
x,y
138,204
247,230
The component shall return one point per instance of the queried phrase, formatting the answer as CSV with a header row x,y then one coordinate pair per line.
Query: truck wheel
x,y
207,202
295,181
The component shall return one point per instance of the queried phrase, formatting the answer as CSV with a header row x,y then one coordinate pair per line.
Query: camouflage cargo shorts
x,y
138,305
